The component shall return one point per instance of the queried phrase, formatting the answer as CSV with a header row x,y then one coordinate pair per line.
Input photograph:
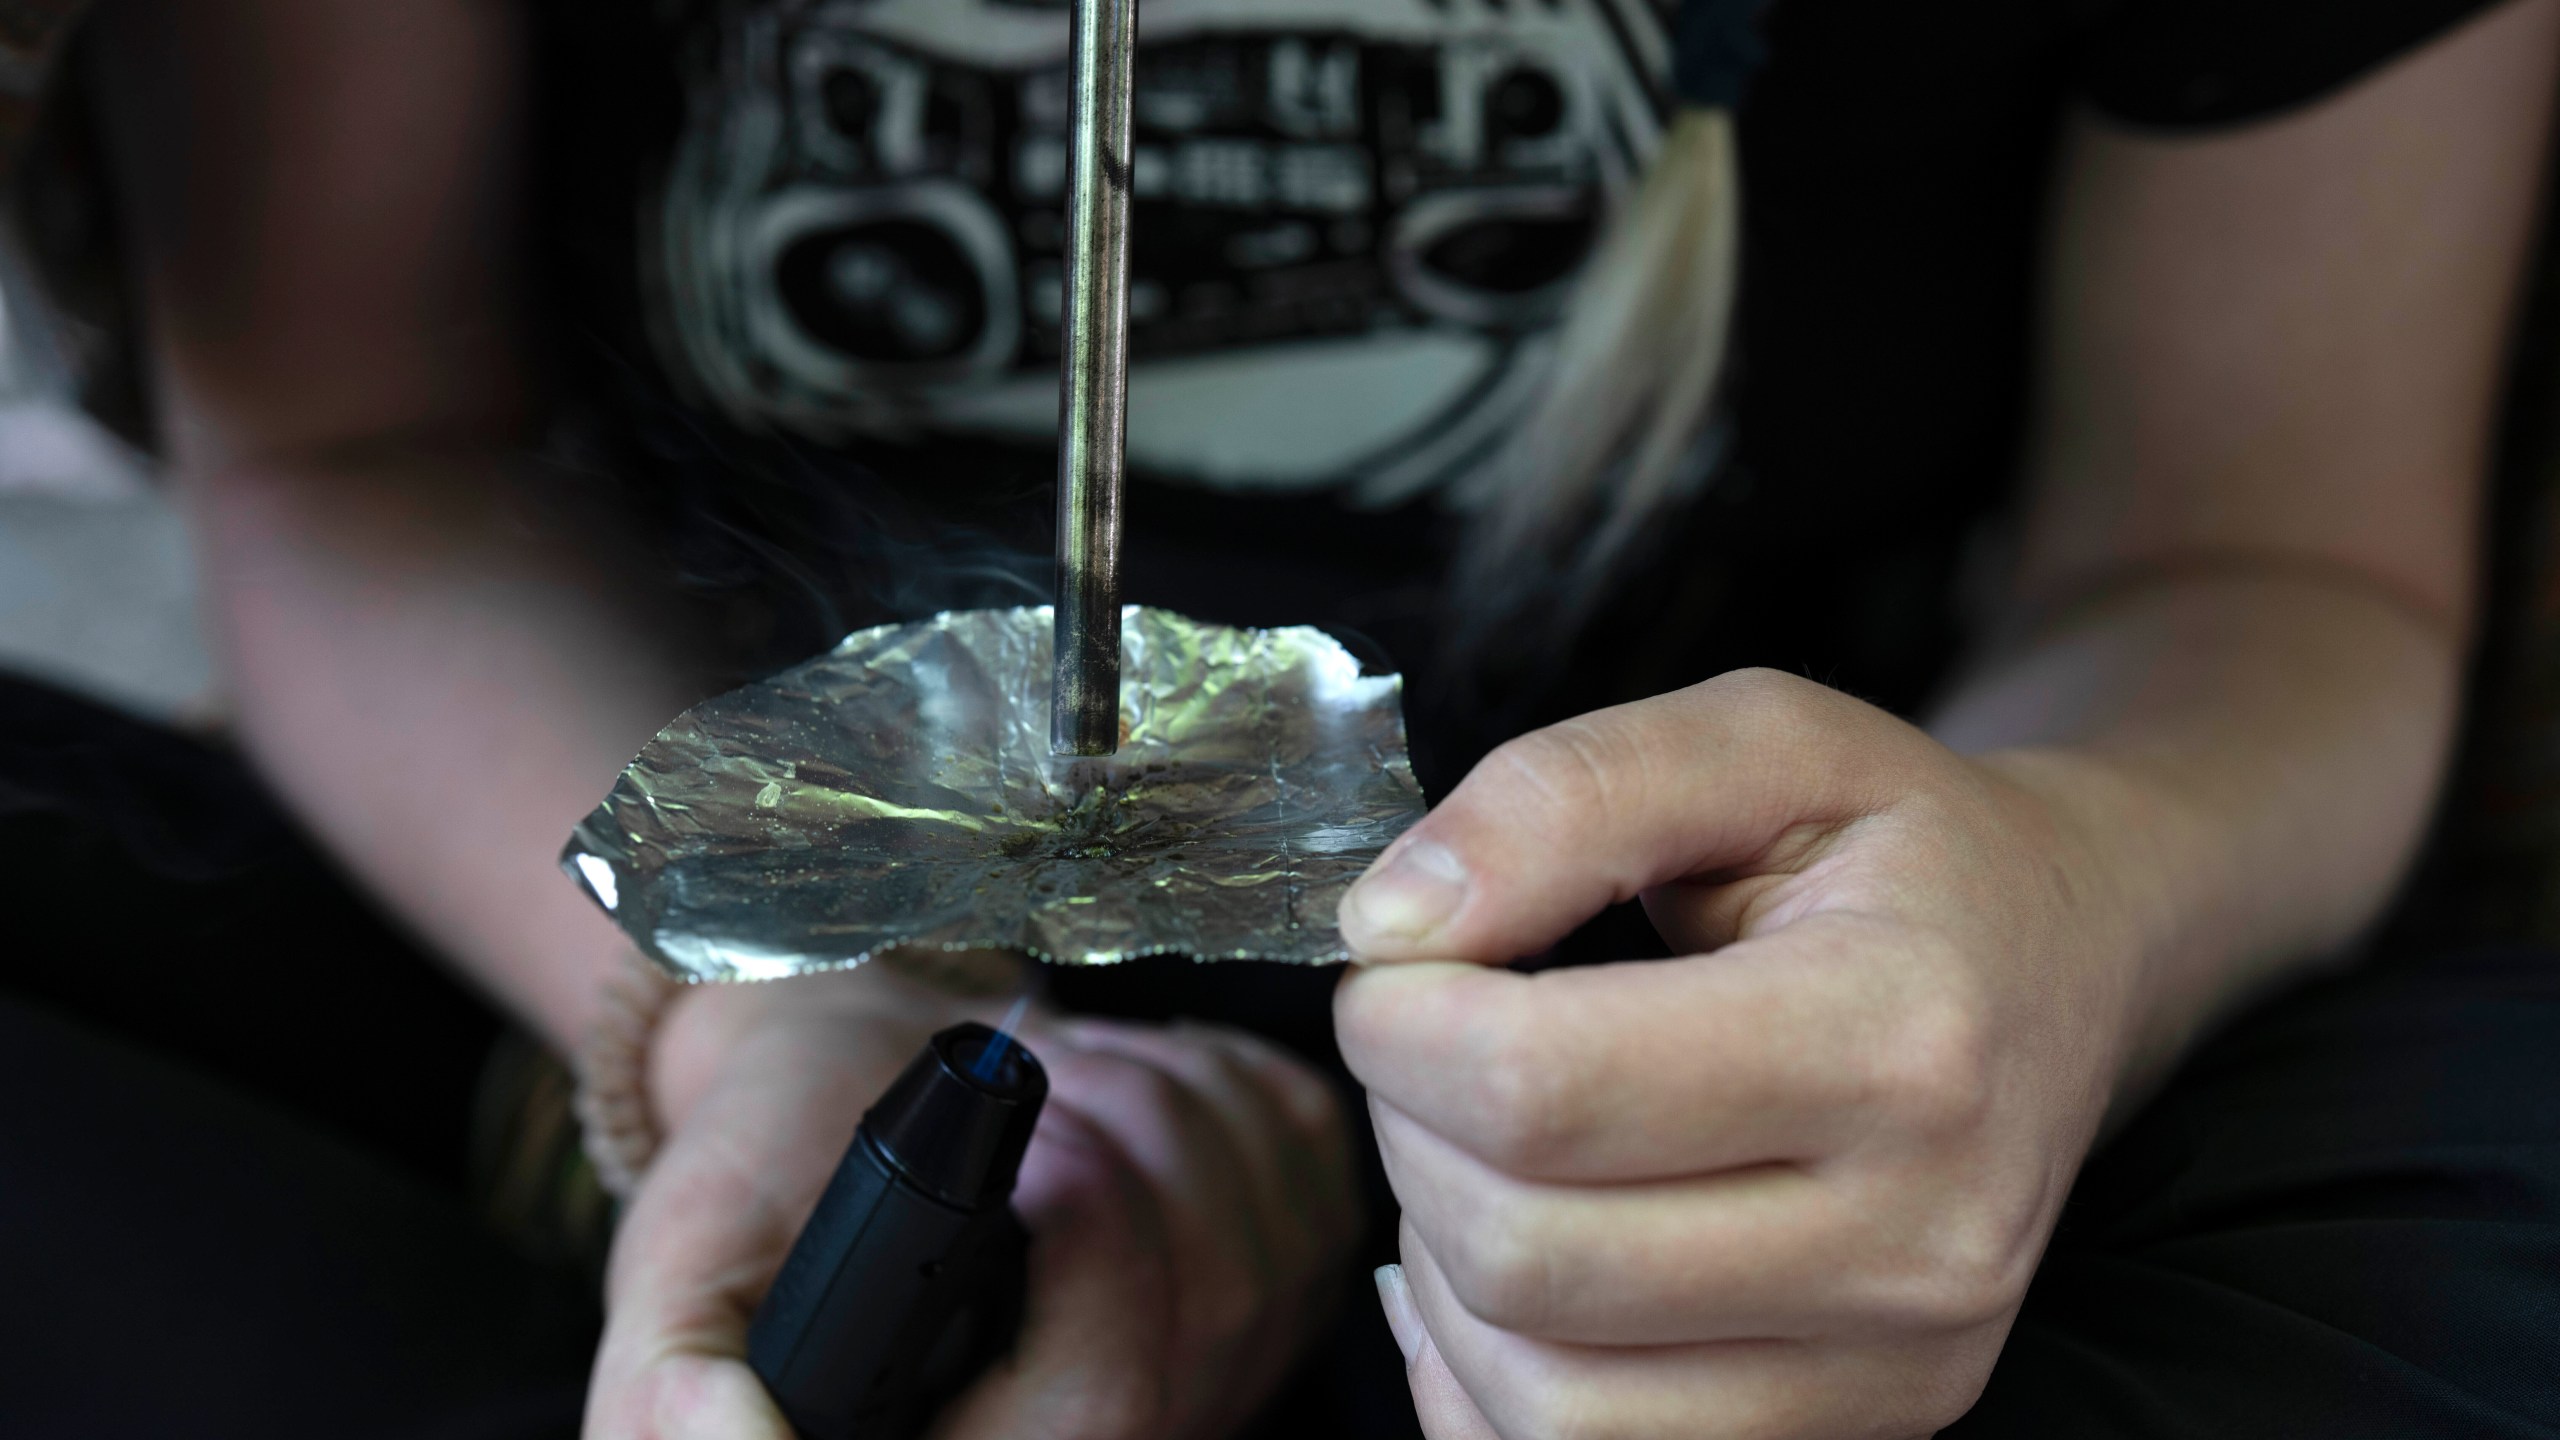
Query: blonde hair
x,y
1618,433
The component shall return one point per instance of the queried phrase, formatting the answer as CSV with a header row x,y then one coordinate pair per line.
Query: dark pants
x,y
234,1111
179,1261
2340,1220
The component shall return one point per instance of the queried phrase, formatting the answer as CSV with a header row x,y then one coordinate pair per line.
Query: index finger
x,y
1777,1048
1741,772
694,1253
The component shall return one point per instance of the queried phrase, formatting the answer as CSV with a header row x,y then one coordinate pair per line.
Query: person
x,y
2110,387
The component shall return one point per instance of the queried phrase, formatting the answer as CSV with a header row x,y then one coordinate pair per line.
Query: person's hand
x,y
1793,1185
1188,1195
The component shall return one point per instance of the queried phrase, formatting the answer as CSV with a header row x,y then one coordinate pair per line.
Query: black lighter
x,y
908,1279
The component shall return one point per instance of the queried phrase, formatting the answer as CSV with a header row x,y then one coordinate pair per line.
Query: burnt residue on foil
x,y
899,792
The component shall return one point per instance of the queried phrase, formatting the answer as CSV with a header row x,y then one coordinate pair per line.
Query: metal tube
x,y
1093,403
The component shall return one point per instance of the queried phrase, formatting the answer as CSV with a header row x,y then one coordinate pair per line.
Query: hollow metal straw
x,y
1084,704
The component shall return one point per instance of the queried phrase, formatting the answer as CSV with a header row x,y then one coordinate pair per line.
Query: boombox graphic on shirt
x,y
1355,222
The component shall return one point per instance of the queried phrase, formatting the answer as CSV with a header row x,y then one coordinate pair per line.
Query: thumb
x,y
683,1396
692,1255
1562,822
699,1245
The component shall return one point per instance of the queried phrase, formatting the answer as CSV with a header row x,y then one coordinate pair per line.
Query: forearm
x,y
431,661
2248,758
433,654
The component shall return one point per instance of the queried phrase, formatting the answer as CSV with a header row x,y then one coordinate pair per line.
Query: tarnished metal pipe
x,y
1093,404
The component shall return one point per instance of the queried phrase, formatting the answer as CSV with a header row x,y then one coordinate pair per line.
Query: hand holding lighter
x,y
908,1279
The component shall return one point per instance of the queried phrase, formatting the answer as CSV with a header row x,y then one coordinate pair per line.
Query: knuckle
x,y
1776,714
1316,1106
1973,1274
1971,1285
1758,685
1132,1091
1765,696
1214,1059
1321,1125
1312,1107
1157,1091
1936,1070
1570,769
1525,1107
1502,1271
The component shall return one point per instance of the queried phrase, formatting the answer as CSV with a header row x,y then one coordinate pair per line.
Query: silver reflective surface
x,y
899,791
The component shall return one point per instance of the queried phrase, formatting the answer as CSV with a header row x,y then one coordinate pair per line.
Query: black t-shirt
x,y
808,257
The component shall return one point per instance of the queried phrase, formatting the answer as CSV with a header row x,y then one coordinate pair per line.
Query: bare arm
x,y
441,662
2271,364
1796,1181
434,653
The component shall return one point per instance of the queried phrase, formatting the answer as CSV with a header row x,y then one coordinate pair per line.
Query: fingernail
x,y
1396,1298
1421,887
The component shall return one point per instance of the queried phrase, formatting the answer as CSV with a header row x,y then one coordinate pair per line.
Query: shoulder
x,y
2213,63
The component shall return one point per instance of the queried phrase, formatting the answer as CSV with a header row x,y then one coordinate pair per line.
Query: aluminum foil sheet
x,y
899,792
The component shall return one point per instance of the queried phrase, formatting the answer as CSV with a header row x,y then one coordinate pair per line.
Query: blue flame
x,y
991,1059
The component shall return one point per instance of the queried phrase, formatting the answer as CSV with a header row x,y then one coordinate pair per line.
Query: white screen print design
x,y
1355,222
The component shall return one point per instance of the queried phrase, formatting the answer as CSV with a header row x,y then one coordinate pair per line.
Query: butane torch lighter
x,y
908,1280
